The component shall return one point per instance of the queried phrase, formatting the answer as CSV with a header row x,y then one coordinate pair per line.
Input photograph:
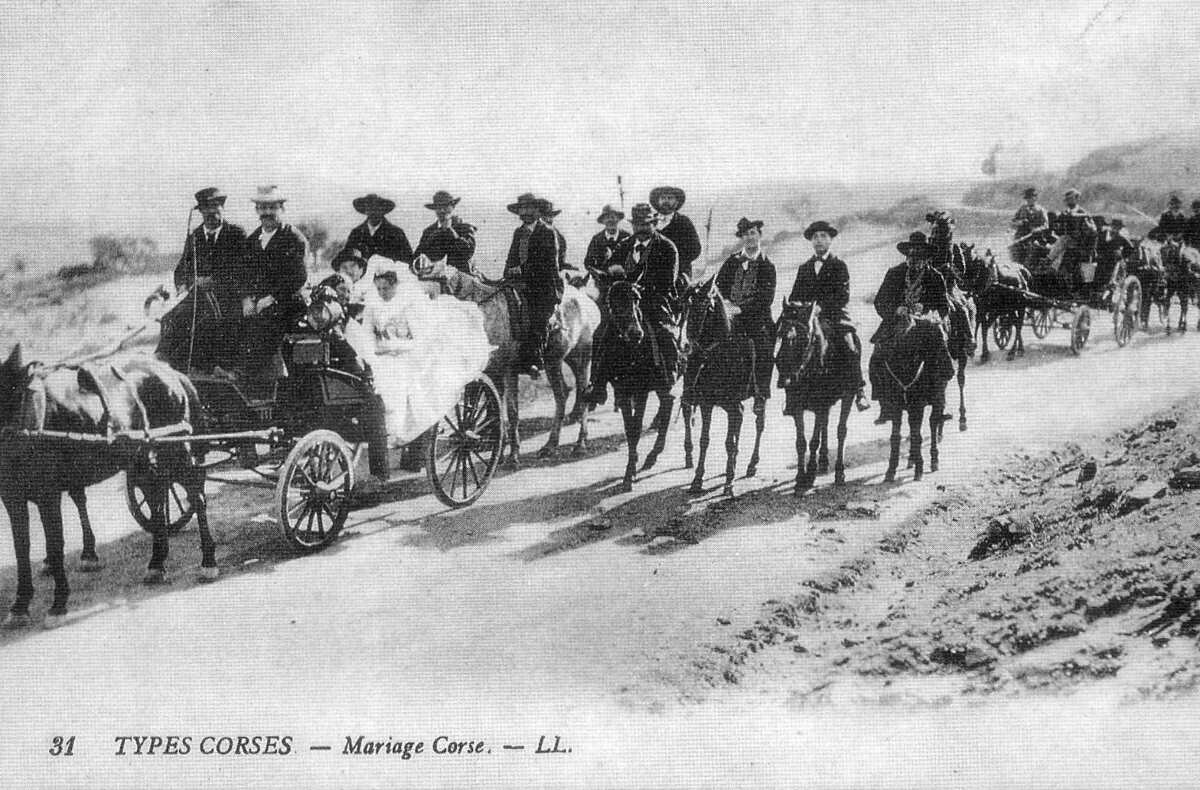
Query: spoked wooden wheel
x,y
180,507
464,447
1041,321
314,488
1081,327
1126,309
1002,330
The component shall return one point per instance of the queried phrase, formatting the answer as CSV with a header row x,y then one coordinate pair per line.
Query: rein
x,y
904,388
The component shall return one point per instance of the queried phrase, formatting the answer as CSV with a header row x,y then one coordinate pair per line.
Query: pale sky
x,y
118,112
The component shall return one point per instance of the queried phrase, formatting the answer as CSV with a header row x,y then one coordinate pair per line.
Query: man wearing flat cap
x,y
825,279
377,236
601,249
448,237
651,260
1031,218
274,274
747,282
532,264
209,271
910,289
675,226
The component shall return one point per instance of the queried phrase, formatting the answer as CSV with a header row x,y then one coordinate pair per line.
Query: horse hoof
x,y
91,565
933,466
650,461
15,620
579,451
45,572
908,464
154,577
512,462
625,487
209,574
823,468
751,471
696,489
962,425
53,621
839,479
918,474
687,463
727,491
889,477
546,452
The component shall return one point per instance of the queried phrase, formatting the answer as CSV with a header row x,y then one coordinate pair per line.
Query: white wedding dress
x,y
422,351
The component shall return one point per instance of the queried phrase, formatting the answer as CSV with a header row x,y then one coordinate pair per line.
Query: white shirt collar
x,y
372,228
214,232
665,219
616,234
265,238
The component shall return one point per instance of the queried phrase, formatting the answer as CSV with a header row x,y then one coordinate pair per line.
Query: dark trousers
x,y
202,345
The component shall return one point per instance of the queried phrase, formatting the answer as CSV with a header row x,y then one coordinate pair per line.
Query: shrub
x,y
124,254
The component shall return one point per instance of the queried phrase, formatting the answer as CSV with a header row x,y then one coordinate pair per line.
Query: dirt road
x,y
554,606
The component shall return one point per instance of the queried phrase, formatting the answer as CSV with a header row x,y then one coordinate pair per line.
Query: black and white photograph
x,y
615,394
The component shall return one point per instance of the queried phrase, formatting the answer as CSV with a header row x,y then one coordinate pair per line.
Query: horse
x,y
719,372
638,368
814,380
1000,293
1182,266
570,340
91,413
953,260
911,385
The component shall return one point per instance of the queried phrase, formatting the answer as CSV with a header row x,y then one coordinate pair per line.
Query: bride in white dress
x,y
422,351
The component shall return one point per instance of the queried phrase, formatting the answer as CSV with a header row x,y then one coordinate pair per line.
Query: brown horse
x,y
575,322
911,383
89,418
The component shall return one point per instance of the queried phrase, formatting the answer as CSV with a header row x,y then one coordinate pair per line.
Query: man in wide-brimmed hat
x,y
667,201
825,279
448,237
1172,223
532,264
747,282
274,274
650,259
1076,231
195,333
911,289
377,236
601,248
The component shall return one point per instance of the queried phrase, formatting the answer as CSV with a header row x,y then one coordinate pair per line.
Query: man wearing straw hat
x,y
448,237
274,274
532,264
377,236
195,332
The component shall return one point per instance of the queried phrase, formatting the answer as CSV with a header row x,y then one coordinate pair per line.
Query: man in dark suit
x,y
675,226
1191,230
747,281
377,236
601,249
825,279
448,237
208,273
1172,223
532,264
549,212
651,260
274,273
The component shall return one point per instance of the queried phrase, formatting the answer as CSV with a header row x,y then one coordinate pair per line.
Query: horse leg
x,y
733,433
50,509
18,518
935,435
760,421
662,419
511,408
558,386
686,410
839,468
208,547
706,412
823,461
1019,342
89,560
633,408
985,324
814,446
914,438
581,366
803,482
894,456
962,399
160,547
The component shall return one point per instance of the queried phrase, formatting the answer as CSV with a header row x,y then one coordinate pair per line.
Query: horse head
x,y
155,305
941,227
14,379
706,318
801,339
625,310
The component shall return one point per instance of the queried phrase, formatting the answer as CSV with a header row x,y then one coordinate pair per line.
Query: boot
x,y
860,400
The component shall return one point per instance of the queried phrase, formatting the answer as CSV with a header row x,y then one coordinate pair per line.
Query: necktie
x,y
638,249
524,245
212,237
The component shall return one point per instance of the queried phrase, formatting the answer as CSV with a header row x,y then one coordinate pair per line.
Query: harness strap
x,y
904,388
137,401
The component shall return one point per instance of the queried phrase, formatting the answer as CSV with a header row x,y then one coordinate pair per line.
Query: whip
x,y
191,240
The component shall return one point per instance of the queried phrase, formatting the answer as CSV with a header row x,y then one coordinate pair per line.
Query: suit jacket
x,y
1191,231
600,249
562,247
221,261
538,270
388,241
657,273
1172,224
456,247
830,288
893,291
682,234
755,303
278,270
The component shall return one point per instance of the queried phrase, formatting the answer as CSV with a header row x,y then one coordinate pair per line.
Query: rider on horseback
x,y
532,265
909,290
825,279
649,259
1030,220
747,281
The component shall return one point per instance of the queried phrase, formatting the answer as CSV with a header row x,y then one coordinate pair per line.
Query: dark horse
x,y
720,372
953,259
814,380
910,385
1000,294
639,355
102,409
1182,265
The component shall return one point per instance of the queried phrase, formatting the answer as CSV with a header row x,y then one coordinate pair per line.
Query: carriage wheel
x,y
180,507
314,488
1002,330
1127,306
1081,327
464,447
1041,321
